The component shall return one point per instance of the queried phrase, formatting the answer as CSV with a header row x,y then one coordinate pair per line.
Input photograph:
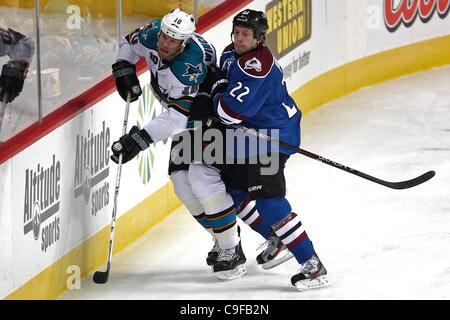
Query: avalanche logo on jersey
x,y
253,63
193,72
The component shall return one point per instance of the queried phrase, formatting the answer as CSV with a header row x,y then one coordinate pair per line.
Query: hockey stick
x,y
102,276
394,185
2,110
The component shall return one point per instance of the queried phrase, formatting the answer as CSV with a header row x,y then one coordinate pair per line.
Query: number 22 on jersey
x,y
239,95
241,91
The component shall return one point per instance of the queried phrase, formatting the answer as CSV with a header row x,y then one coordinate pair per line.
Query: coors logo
x,y
397,12
42,191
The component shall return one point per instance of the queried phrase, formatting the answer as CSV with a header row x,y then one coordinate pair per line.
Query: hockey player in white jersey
x,y
20,49
177,58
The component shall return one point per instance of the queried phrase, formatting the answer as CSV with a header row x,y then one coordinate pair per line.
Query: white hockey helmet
x,y
178,24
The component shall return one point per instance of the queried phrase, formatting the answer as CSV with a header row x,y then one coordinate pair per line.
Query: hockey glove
x,y
126,80
201,109
130,145
11,79
216,81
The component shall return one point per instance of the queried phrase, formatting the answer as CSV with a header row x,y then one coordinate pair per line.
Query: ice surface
x,y
377,243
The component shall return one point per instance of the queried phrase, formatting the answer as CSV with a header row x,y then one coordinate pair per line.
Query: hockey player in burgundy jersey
x,y
256,97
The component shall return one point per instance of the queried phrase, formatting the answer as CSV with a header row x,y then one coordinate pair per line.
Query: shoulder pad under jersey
x,y
257,63
148,36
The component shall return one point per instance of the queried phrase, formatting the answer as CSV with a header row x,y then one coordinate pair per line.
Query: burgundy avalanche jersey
x,y
257,95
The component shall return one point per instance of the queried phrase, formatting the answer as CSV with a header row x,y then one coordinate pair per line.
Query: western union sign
x,y
289,25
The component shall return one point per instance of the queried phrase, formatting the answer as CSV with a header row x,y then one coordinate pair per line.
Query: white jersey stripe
x,y
224,116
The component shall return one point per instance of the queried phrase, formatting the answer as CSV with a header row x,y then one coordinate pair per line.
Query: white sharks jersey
x,y
174,84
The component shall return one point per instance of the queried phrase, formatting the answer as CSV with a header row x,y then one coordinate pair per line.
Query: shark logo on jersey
x,y
193,72
253,63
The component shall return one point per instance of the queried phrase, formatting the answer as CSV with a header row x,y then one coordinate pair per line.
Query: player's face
x,y
168,47
243,40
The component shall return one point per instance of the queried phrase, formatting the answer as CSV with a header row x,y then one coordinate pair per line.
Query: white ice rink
x,y
376,242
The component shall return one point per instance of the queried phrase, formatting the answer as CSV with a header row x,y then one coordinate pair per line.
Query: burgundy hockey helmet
x,y
256,20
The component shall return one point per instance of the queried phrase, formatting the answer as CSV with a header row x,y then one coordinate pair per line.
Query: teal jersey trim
x,y
183,105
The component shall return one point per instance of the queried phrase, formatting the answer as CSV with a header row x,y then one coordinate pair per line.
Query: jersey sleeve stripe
x,y
227,114
179,108
189,101
184,103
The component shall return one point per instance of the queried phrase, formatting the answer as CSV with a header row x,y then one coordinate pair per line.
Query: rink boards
x,y
57,194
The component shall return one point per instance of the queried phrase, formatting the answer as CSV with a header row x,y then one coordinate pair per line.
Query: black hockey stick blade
x,y
410,183
101,277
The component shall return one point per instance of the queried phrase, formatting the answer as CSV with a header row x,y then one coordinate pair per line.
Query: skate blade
x,y
236,273
308,284
276,262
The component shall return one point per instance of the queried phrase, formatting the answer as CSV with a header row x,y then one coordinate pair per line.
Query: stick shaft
x,y
394,185
117,186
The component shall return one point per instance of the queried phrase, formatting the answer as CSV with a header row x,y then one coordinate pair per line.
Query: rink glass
x,y
23,111
77,45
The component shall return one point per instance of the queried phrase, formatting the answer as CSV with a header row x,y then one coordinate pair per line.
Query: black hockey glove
x,y
216,81
130,145
126,80
201,109
11,79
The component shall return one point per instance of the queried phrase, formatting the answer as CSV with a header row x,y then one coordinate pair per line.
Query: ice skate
x,y
230,263
211,259
311,275
274,254
213,254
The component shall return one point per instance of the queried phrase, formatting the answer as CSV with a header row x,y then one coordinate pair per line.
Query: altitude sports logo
x,y
397,12
42,203
92,168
